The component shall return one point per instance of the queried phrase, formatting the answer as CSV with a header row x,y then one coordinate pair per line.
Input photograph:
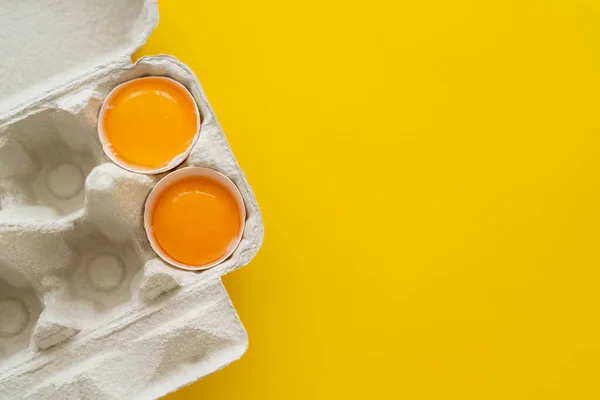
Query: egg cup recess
x,y
149,125
80,283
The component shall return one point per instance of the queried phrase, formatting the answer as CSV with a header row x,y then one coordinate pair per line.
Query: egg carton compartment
x,y
44,160
19,310
87,309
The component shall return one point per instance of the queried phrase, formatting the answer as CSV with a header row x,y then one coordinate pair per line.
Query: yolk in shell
x,y
196,221
149,121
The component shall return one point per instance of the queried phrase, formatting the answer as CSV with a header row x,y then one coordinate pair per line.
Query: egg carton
x,y
87,309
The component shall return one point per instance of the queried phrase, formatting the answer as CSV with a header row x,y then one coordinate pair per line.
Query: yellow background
x,y
429,175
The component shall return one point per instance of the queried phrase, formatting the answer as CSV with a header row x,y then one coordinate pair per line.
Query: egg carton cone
x,y
87,309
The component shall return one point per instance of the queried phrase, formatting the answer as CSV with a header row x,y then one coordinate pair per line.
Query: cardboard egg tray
x,y
87,309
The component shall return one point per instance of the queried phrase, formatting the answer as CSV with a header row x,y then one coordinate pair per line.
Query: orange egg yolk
x,y
149,121
196,221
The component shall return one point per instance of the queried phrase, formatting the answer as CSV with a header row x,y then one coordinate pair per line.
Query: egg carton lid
x,y
49,46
